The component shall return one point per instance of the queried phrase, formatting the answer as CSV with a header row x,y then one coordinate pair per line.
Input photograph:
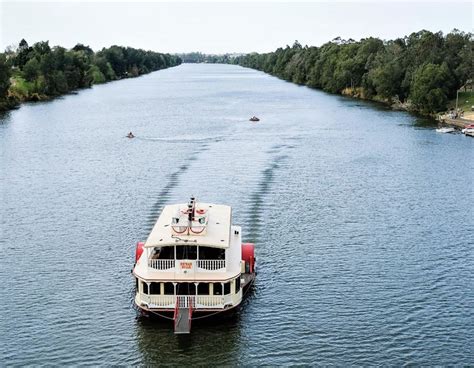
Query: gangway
x,y
183,313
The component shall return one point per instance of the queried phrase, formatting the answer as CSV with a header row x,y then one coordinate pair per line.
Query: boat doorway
x,y
186,288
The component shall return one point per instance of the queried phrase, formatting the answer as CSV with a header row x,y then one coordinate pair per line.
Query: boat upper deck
x,y
203,224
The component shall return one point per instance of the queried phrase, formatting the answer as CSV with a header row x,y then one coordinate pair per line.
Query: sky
x,y
222,26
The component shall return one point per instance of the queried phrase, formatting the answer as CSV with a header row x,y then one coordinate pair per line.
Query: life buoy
x,y
201,211
175,229
197,232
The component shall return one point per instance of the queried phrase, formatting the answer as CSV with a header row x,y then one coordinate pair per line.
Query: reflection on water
x,y
361,221
213,340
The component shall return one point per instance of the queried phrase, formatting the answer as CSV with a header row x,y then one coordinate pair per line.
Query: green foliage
x,y
6,100
96,75
21,89
31,70
43,71
197,57
465,100
430,87
400,69
5,73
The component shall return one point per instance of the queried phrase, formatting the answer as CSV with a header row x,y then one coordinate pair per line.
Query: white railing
x,y
211,264
187,266
161,264
184,301
159,301
210,301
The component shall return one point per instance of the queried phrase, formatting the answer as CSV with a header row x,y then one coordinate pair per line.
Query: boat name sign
x,y
186,265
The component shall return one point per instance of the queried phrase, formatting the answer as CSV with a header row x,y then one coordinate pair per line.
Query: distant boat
x,y
130,135
469,128
445,130
254,118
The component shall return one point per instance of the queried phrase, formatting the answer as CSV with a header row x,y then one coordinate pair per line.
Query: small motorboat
x,y
445,130
130,135
469,127
254,118
468,131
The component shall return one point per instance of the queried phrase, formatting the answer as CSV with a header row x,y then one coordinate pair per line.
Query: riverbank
x,y
20,91
461,111
359,93
393,103
389,71
41,72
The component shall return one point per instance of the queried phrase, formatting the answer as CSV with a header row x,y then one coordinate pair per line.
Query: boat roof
x,y
217,232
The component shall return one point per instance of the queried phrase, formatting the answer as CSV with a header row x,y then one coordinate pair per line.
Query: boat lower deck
x,y
199,303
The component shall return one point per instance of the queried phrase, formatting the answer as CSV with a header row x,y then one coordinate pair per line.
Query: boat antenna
x,y
193,202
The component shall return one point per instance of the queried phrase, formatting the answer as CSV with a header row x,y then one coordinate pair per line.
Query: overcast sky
x,y
222,26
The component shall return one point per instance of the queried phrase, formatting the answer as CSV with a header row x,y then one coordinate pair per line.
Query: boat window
x,y
169,288
211,253
186,252
163,253
186,288
217,288
237,284
136,284
145,287
227,288
155,288
203,288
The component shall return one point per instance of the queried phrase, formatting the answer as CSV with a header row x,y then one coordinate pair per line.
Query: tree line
x,y
198,57
421,71
40,71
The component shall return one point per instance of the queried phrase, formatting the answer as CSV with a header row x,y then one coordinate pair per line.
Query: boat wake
x,y
258,197
183,139
163,196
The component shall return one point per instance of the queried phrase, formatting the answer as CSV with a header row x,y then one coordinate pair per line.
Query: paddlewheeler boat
x,y
193,264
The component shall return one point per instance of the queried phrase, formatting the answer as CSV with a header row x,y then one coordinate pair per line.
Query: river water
x,y
362,219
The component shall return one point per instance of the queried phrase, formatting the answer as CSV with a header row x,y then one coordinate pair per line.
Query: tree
x,y
45,71
373,67
5,73
429,90
31,70
23,53
82,48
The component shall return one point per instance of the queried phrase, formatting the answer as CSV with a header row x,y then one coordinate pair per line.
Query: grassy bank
x,y
465,101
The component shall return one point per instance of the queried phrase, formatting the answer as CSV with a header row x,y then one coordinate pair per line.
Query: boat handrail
x,y
183,301
204,264
162,264
211,264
